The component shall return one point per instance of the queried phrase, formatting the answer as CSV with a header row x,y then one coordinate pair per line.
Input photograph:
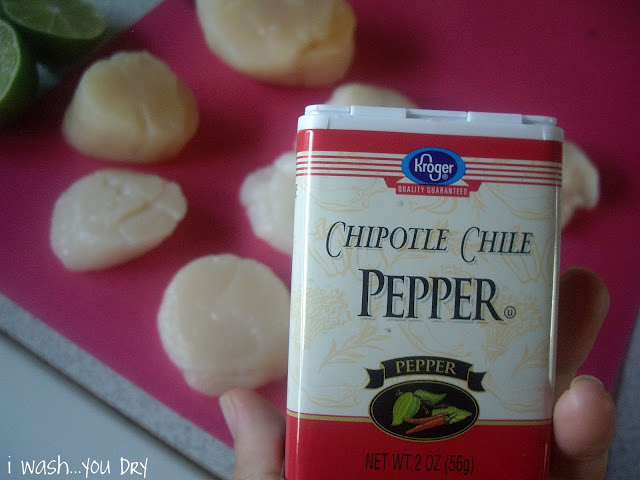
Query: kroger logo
x,y
433,166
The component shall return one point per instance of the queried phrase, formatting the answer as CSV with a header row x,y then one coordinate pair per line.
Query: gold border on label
x,y
497,423
329,418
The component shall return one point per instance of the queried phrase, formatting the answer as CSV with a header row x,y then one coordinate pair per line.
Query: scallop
x,y
112,216
268,196
224,322
292,42
580,182
131,107
370,95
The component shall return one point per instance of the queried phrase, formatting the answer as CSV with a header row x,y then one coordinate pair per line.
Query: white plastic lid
x,y
442,122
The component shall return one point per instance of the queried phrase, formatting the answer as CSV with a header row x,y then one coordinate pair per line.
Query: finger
x,y
583,305
583,425
258,431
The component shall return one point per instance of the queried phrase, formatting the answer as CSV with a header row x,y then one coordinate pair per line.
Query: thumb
x,y
584,421
258,432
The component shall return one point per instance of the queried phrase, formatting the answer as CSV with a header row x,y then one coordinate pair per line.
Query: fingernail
x,y
587,378
229,413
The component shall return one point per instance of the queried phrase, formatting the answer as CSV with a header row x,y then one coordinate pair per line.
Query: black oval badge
x,y
424,411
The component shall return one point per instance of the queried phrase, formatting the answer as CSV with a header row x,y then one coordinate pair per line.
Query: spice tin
x,y
424,290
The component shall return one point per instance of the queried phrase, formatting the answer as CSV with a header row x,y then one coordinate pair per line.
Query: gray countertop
x,y
624,459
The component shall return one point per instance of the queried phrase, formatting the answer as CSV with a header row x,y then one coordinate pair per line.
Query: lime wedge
x,y
59,31
18,75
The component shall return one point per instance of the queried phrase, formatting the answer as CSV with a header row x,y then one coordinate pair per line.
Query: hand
x,y
584,416
583,420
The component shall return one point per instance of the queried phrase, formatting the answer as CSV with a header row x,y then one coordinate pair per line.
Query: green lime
x,y
58,31
18,74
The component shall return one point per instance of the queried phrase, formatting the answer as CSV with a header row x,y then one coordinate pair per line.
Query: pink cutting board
x,y
577,61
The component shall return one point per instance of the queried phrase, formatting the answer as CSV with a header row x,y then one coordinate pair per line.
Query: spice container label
x,y
424,287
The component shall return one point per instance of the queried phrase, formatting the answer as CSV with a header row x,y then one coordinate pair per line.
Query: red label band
x,y
403,143
320,449
349,153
